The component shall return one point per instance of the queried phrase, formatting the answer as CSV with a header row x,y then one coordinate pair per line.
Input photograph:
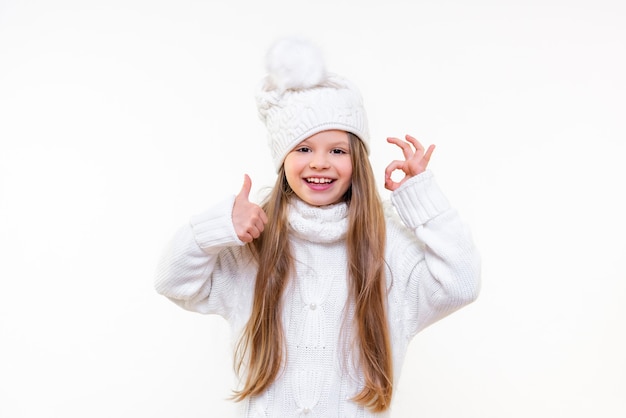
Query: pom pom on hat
x,y
299,98
295,64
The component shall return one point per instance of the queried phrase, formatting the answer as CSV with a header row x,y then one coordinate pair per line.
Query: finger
x,y
407,151
258,217
245,237
263,217
245,189
259,225
429,152
418,145
251,233
390,184
254,232
406,147
393,166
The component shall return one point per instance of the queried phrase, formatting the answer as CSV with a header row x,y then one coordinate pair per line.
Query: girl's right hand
x,y
248,218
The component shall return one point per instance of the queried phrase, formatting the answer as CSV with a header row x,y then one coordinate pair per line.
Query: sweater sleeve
x,y
197,267
441,272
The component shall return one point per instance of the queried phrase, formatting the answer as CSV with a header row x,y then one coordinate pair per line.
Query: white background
x,y
120,119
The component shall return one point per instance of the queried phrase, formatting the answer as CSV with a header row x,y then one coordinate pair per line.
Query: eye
x,y
338,151
303,149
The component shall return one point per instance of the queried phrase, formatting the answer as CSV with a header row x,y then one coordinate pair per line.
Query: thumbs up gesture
x,y
248,218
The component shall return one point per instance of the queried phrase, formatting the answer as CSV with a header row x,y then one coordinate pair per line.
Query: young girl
x,y
323,285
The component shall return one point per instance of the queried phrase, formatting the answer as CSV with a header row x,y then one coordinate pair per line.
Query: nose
x,y
319,160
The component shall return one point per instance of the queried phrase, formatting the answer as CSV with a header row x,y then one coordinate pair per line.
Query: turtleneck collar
x,y
321,224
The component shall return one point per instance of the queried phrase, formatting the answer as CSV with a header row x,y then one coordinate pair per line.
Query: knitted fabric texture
x,y
299,98
319,224
433,270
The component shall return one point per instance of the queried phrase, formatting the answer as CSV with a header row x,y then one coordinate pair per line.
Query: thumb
x,y
245,189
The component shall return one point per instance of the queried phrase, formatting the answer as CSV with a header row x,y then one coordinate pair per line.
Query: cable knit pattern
x,y
294,115
318,224
433,270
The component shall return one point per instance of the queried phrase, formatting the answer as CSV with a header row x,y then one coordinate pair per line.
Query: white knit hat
x,y
298,98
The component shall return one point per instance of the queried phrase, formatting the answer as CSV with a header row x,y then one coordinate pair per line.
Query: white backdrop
x,y
119,119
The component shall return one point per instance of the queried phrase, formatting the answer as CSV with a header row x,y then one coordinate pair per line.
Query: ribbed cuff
x,y
214,227
419,200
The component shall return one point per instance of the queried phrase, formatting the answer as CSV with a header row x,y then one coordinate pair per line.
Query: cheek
x,y
291,171
347,170
291,181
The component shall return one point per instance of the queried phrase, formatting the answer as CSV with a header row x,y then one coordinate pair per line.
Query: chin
x,y
322,202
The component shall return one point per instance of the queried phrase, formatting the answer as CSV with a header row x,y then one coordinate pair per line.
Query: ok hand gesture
x,y
415,161
248,218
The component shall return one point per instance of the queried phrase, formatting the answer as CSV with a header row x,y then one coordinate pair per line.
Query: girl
x,y
322,284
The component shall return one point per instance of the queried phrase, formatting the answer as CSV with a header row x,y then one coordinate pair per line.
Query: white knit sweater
x,y
433,270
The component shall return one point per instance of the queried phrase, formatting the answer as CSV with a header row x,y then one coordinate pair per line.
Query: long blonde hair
x,y
261,348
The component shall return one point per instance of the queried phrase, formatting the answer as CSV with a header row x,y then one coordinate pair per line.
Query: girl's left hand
x,y
415,160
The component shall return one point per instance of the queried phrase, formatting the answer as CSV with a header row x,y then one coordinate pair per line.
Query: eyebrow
x,y
331,145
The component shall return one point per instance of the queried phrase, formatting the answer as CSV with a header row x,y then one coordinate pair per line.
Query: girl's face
x,y
319,169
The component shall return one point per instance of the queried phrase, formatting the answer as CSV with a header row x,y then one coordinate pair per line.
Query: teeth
x,y
318,180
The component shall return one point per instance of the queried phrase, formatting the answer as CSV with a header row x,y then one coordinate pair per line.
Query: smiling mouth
x,y
317,180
